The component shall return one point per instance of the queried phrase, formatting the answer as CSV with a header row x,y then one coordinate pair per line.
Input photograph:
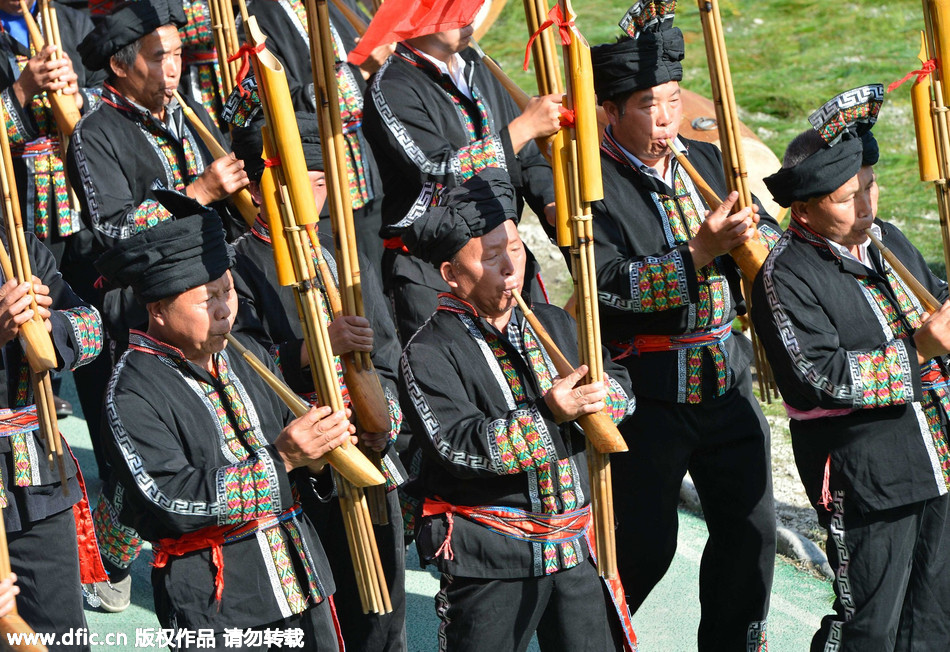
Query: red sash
x,y
215,538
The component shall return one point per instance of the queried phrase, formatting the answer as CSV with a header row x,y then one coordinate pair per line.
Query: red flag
x,y
398,20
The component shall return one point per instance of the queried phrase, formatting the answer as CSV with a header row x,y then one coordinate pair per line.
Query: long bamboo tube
x,y
12,623
348,461
584,185
937,28
242,198
923,122
928,300
598,427
366,392
65,111
37,343
297,209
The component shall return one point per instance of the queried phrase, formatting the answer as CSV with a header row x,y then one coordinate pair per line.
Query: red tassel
x,y
445,550
926,69
825,491
244,54
563,27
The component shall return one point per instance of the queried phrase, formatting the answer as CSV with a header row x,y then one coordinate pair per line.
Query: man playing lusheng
x,y
668,296
209,462
438,117
502,477
863,372
267,312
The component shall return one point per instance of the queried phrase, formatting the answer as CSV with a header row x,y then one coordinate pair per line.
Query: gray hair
x,y
125,57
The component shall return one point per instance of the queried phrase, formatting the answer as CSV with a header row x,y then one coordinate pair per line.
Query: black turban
x,y
128,22
172,257
844,124
468,211
635,64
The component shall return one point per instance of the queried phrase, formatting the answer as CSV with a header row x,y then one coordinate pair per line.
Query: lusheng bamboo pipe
x,y
375,496
923,121
354,19
226,42
366,391
348,461
12,623
65,111
929,302
37,343
584,184
750,255
937,28
293,197
598,427
242,198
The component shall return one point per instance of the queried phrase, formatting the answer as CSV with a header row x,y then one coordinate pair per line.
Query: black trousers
x,y
724,444
570,610
46,560
892,577
366,632
317,631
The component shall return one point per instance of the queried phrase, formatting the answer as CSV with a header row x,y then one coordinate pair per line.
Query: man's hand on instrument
x,y
721,232
308,438
567,400
550,213
933,337
541,118
15,307
375,441
42,73
349,333
224,177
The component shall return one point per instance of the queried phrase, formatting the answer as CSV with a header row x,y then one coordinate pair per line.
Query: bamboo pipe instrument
x,y
376,496
923,122
366,392
929,301
65,111
354,19
226,42
582,178
37,343
751,255
598,427
348,462
292,198
242,198
12,623
937,28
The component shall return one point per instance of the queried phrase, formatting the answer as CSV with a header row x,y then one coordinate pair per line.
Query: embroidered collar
x,y
260,229
451,303
616,151
848,264
173,112
420,60
145,343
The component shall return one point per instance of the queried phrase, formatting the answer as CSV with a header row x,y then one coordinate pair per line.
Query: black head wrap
x,y
247,142
127,23
172,257
468,211
648,56
844,124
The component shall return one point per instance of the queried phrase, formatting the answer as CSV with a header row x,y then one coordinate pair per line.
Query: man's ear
x,y
117,68
156,311
612,111
800,211
448,274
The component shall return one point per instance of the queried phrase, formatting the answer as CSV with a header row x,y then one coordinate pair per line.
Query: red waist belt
x,y
395,243
511,522
215,538
38,147
653,343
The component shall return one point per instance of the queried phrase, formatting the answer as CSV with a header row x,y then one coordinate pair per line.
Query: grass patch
x,y
787,58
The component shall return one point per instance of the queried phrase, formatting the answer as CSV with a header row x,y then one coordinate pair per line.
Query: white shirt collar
x,y
862,255
456,73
